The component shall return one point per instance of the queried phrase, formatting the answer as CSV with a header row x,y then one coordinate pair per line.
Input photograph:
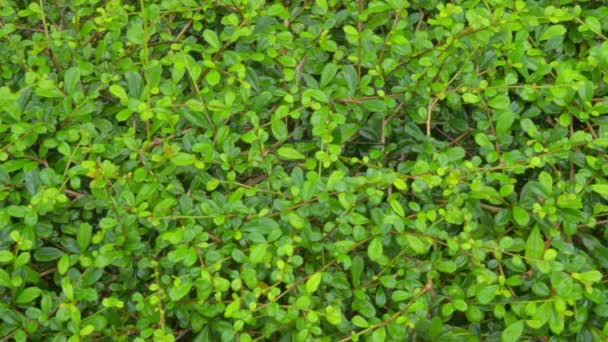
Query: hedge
x,y
249,170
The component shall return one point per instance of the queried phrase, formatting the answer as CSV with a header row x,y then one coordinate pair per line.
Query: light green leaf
x,y
257,253
212,39
521,216
487,293
290,153
513,332
552,31
375,249
118,91
213,77
28,294
313,282
6,256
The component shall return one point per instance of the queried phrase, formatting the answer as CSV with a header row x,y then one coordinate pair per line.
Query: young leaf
x,y
313,282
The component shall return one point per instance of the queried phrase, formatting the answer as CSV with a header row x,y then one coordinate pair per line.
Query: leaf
x,y
513,332
379,335
596,249
183,159
521,216
290,153
279,130
487,294
500,102
232,308
601,189
375,249
28,295
333,315
71,82
212,39
356,270
257,253
470,98
446,266
180,291
47,254
535,245
213,77
590,276
552,31
504,121
359,321
397,207
83,236
328,74
6,256
593,24
135,33
134,83
417,244
118,91
312,284
556,321
350,76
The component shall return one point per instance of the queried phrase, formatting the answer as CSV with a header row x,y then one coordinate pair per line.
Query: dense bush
x,y
301,170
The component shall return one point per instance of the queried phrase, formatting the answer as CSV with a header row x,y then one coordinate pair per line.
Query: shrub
x,y
241,170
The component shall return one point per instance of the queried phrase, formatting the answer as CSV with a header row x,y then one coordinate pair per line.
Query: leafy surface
x,y
370,170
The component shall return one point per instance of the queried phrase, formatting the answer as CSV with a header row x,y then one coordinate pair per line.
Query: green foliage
x,y
303,170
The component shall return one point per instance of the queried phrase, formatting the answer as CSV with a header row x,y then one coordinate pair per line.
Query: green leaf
x,y
312,284
589,276
521,216
446,266
290,153
513,332
601,189
535,245
180,291
213,77
375,249
118,91
556,321
333,315
258,253
552,31
134,84
279,130
417,244
350,76
593,24
47,254
500,102
6,256
397,207
328,74
212,39
487,294
359,321
28,295
71,82
83,236
470,98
